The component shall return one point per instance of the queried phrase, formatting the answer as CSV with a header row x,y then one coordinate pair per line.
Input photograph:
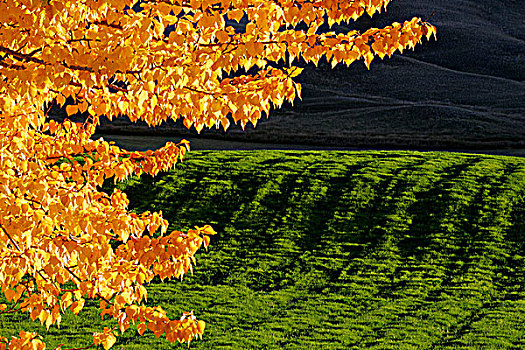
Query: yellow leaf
x,y
107,338
72,109
83,107
9,294
143,96
33,91
66,300
49,321
150,86
207,229
35,313
7,104
207,240
369,56
124,235
222,36
108,342
293,72
236,14
123,106
141,328
200,326
43,316
102,108
77,306
61,99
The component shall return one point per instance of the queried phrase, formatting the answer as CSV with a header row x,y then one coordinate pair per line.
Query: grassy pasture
x,y
339,250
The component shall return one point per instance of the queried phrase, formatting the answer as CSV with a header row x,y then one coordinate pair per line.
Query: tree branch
x,y
11,239
21,56
72,274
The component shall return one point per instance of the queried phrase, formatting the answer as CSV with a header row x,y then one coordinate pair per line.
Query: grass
x,y
339,250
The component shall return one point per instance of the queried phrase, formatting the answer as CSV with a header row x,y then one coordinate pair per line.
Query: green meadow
x,y
337,250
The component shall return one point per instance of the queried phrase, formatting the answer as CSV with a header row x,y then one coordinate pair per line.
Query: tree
x,y
62,239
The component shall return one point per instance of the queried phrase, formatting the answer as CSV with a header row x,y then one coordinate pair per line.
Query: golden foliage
x,y
104,58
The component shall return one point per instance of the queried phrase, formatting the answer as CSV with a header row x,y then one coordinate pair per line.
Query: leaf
x,y
123,106
49,321
77,306
369,56
206,240
150,86
200,327
72,109
124,235
83,107
109,340
141,328
61,99
223,36
207,229
106,338
143,96
66,300
44,315
236,14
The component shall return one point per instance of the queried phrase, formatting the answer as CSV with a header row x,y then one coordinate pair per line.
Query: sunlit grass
x,y
339,250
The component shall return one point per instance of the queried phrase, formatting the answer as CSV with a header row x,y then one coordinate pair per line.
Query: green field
x,y
339,250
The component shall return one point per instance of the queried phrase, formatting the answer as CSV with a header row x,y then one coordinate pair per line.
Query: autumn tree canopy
x,y
150,61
